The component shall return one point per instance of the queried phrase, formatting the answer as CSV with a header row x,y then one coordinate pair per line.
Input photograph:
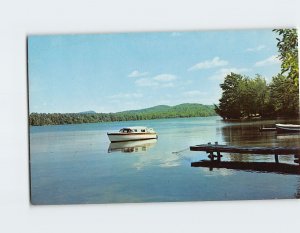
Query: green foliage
x,y
288,49
244,97
284,96
230,105
162,111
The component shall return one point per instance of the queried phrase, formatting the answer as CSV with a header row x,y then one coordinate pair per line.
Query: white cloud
x,y
136,74
169,160
165,77
268,61
161,80
167,85
255,49
146,82
219,172
221,74
215,62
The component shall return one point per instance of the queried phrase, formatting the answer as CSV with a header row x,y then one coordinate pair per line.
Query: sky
x,y
117,72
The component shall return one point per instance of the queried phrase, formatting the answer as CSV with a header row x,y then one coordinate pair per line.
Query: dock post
x,y
211,156
211,153
297,159
218,153
276,158
219,156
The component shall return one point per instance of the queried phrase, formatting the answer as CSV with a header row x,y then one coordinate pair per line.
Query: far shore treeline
x,y
157,112
245,97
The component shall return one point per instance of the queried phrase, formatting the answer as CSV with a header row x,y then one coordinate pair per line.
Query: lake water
x,y
72,164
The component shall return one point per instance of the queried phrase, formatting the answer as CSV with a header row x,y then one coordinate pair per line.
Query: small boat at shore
x,y
287,128
132,134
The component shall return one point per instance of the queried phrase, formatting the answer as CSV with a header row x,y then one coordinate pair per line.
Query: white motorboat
x,y
132,134
287,128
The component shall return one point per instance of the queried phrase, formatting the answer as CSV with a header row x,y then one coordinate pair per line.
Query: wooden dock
x,y
267,129
218,149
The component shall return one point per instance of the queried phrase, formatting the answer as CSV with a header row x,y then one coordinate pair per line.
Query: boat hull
x,y
124,137
287,128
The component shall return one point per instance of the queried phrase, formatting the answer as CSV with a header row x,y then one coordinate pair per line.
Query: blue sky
x,y
116,72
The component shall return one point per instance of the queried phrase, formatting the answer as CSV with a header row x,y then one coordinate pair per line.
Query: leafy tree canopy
x,y
288,49
245,97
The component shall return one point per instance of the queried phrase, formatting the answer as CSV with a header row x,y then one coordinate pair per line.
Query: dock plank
x,y
267,129
247,149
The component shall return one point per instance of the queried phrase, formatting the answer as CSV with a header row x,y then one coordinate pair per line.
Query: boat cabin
x,y
132,134
139,129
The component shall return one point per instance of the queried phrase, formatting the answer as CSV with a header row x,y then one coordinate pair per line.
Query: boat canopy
x,y
136,129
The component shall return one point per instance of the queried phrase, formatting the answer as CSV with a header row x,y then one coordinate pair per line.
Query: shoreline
x,y
292,119
166,118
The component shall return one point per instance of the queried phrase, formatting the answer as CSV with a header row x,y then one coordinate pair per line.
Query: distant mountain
x,y
158,108
87,112
165,111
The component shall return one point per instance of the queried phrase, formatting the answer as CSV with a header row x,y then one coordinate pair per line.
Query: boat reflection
x,y
280,168
290,136
132,146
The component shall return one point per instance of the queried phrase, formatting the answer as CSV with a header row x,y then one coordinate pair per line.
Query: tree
x,y
284,96
243,97
288,49
230,102
259,96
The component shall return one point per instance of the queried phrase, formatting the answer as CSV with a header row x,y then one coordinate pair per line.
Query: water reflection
x,y
279,168
291,136
132,146
248,134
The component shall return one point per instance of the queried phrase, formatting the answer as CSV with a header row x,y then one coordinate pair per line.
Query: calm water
x,y
77,164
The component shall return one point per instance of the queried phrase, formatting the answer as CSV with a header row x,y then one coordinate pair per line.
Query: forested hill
x,y
165,111
157,112
181,108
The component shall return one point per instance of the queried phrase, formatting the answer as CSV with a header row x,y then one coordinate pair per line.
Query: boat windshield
x,y
125,130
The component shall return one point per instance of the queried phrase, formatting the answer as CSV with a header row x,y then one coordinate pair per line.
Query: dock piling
x,y
276,158
211,156
297,159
